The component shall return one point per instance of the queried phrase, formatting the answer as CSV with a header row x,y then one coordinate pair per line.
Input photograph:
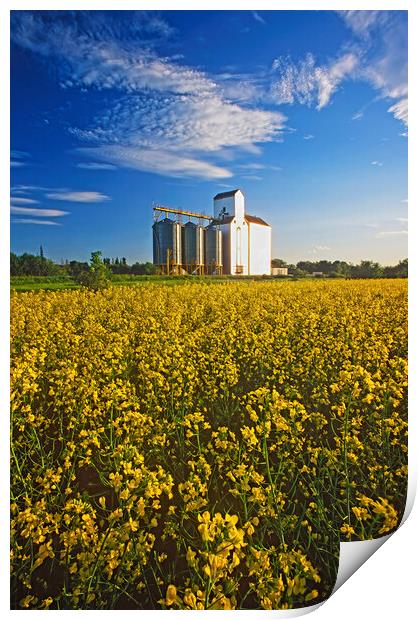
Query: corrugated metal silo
x,y
213,250
193,247
167,245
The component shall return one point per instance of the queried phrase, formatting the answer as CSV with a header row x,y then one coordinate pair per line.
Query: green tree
x,y
98,275
278,262
75,267
397,271
340,269
306,266
140,269
367,269
299,273
15,268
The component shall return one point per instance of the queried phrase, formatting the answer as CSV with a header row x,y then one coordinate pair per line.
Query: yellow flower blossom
x,y
171,595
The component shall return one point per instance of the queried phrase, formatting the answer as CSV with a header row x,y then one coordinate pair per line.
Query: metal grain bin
x,y
167,245
193,248
213,250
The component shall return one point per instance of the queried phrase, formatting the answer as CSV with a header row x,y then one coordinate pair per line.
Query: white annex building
x,y
246,239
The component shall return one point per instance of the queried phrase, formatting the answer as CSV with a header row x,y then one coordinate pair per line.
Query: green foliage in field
x,y
98,275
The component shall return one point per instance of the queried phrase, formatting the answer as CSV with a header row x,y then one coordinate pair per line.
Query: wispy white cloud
x,y
64,194
37,212
251,166
156,160
25,189
318,249
391,233
330,77
242,87
187,123
376,163
308,136
400,110
167,134
395,227
31,221
19,200
18,159
78,196
251,177
383,38
360,113
97,51
258,17
254,167
376,54
362,22
19,154
294,83
95,165
308,83
187,128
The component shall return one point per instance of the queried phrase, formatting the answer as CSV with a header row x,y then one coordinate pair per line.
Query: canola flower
x,y
203,447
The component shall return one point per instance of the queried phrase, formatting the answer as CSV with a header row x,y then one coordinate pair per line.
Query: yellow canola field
x,y
203,446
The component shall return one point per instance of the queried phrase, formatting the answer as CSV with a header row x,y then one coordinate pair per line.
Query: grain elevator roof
x,y
252,219
226,194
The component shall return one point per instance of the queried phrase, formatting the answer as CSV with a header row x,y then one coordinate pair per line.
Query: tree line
x,y
32,265
342,269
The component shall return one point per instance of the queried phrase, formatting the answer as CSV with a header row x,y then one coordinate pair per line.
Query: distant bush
x,y
98,275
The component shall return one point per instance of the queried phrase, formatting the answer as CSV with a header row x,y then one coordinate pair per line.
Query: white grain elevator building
x,y
246,239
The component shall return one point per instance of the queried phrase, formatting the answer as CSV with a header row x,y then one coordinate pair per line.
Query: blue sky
x,y
305,111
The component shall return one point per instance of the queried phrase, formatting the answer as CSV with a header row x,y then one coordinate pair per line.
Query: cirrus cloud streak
x,y
31,221
37,212
85,197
